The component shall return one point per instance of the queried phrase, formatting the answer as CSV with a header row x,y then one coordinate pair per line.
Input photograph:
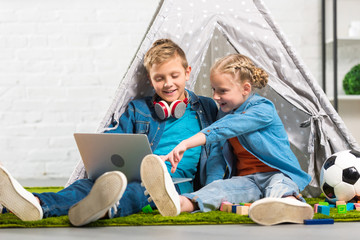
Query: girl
x,y
251,139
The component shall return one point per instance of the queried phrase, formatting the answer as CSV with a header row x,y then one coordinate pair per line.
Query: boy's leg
x,y
132,201
106,192
16,199
282,203
56,204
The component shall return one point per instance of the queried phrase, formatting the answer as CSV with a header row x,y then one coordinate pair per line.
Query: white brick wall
x,y
61,61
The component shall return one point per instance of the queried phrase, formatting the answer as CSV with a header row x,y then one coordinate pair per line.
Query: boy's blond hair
x,y
161,51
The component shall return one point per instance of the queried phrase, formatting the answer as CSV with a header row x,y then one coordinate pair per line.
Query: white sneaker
x,y
158,183
270,211
18,200
107,191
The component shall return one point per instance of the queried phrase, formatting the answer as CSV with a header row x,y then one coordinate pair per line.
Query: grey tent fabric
x,y
209,29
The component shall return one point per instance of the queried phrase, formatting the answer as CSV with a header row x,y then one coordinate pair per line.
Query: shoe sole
x,y
18,200
106,191
271,211
159,185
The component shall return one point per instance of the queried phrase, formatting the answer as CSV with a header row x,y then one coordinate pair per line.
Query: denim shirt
x,y
260,131
140,117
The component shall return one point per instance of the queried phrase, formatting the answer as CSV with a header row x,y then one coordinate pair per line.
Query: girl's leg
x,y
234,190
278,185
282,202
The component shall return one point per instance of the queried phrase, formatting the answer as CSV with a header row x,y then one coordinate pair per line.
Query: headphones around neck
x,y
176,108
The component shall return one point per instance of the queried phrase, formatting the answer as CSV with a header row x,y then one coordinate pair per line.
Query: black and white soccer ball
x,y
340,176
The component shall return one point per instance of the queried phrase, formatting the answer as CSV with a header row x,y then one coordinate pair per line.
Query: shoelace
x,y
146,193
113,210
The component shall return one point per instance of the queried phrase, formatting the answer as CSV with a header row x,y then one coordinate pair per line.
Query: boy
x,y
86,201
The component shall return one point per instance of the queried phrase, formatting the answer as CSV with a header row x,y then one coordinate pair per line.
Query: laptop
x,y
104,152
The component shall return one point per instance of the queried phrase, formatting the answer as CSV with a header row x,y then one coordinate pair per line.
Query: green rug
x,y
9,220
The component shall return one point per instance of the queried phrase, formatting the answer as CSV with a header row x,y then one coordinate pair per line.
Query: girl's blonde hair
x,y
161,51
242,68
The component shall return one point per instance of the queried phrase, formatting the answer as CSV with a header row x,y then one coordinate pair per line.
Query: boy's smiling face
x,y
169,78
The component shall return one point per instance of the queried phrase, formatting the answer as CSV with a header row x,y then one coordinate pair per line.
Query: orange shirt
x,y
247,163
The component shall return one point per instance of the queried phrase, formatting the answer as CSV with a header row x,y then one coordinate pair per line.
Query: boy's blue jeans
x,y
244,189
58,204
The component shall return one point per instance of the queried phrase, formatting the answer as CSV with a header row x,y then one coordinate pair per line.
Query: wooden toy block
x,y
340,203
341,208
223,204
242,210
319,221
356,205
332,205
324,209
357,208
350,206
226,207
324,203
234,207
247,204
316,205
147,209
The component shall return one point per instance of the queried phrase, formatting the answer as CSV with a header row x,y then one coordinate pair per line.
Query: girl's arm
x,y
177,153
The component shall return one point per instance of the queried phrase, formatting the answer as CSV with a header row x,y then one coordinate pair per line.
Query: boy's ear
x,y
187,73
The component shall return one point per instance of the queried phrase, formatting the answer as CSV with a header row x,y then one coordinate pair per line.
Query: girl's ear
x,y
246,88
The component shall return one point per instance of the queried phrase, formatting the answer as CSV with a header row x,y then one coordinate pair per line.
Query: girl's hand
x,y
175,156
177,153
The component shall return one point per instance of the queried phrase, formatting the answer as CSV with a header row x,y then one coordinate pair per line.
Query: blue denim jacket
x,y
140,117
260,131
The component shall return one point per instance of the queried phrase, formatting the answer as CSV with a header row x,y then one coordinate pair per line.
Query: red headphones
x,y
176,109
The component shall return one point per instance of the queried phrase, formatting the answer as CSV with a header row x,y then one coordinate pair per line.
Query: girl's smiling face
x,y
229,92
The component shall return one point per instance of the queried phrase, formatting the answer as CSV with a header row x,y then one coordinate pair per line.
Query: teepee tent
x,y
209,29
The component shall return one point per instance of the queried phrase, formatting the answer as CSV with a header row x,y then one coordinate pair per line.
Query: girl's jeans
x,y
58,204
244,189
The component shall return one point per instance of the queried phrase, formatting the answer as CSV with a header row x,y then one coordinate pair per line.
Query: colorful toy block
x,y
147,209
242,210
324,203
341,208
316,205
350,206
226,207
319,221
234,207
340,203
324,209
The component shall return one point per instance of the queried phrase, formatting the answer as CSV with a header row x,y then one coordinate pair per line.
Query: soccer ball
x,y
340,174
